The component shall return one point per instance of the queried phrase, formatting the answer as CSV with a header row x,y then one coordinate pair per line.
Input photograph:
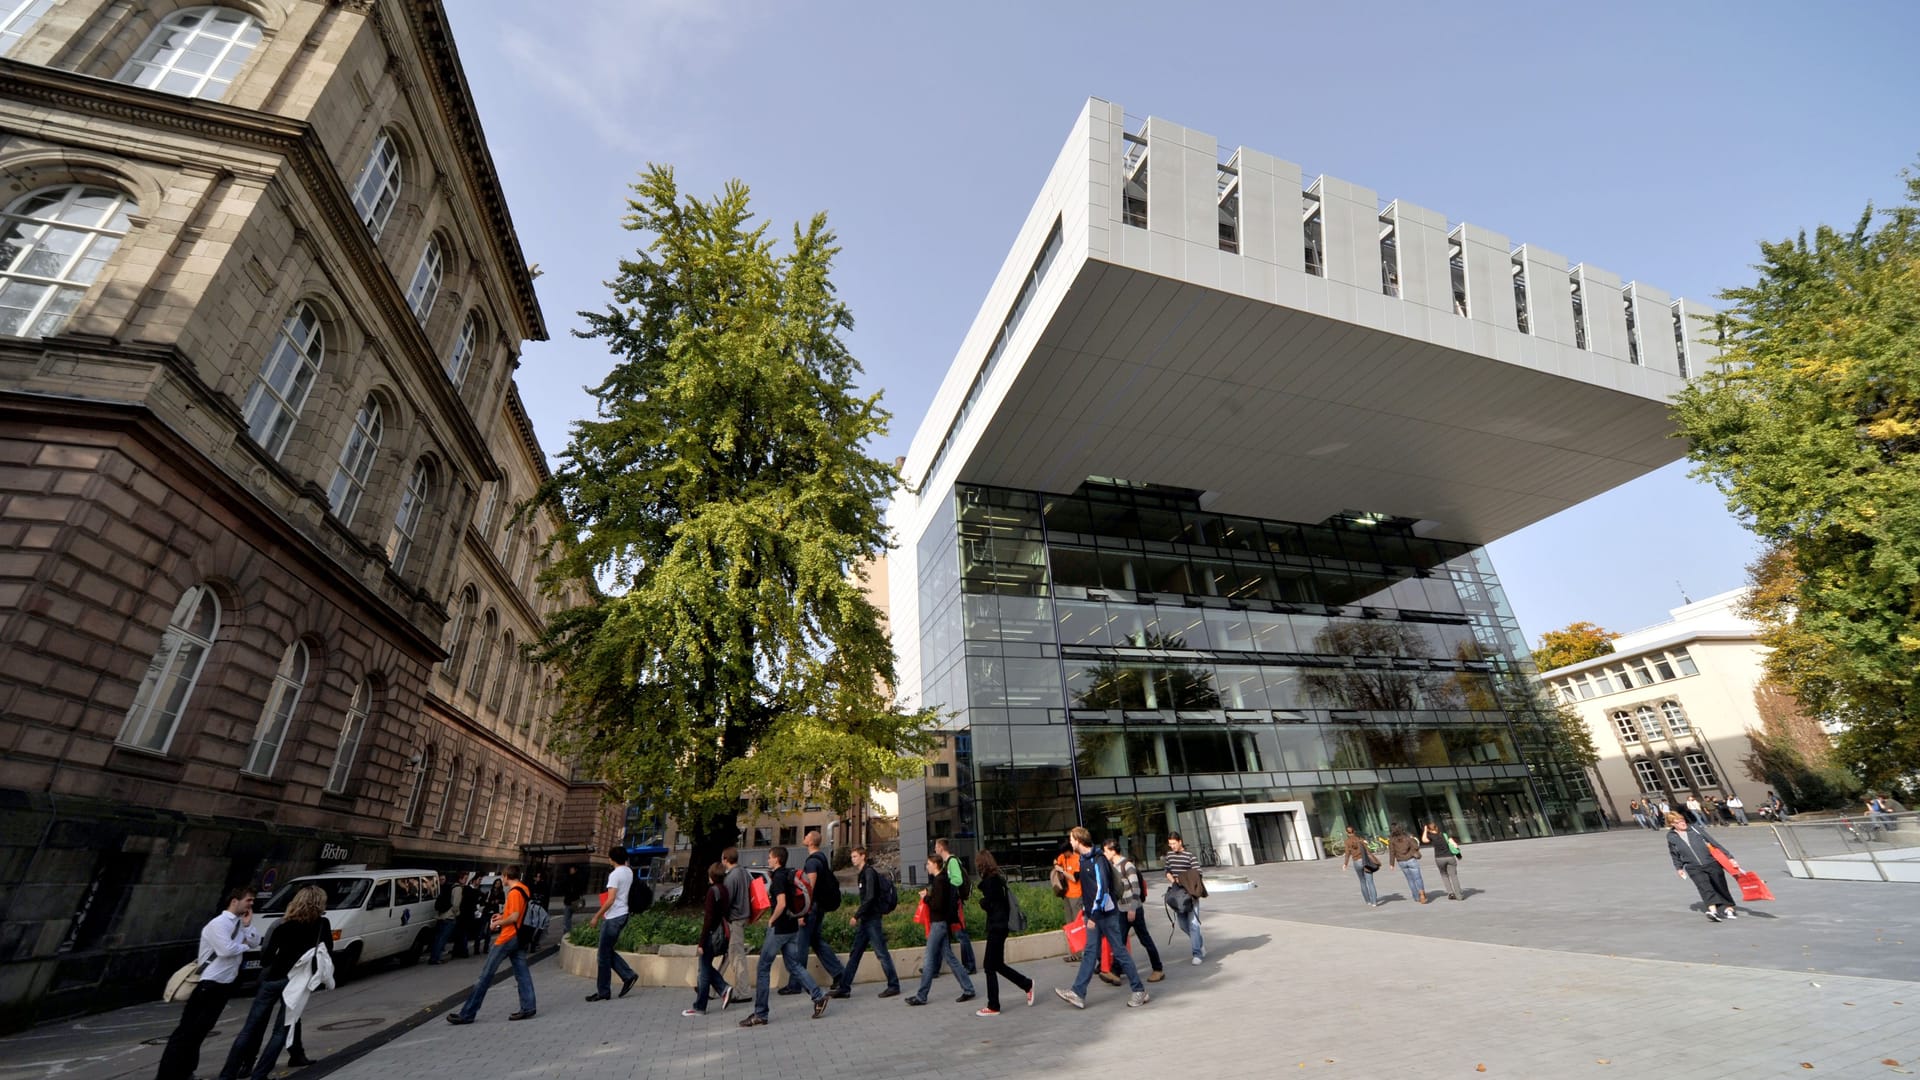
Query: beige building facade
x,y
1669,708
261,608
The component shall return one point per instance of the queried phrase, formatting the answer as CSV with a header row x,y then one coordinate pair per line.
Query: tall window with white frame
x,y
477,676
1648,776
171,674
1649,723
194,52
418,790
473,796
289,679
507,664
1629,734
53,244
1676,718
16,18
356,462
425,288
378,188
1702,770
460,628
1676,778
406,517
461,358
351,729
446,803
286,378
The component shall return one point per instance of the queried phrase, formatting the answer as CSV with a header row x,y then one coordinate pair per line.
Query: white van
x,y
374,913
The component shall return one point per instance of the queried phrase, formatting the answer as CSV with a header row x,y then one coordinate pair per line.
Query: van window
x,y
382,894
341,893
407,890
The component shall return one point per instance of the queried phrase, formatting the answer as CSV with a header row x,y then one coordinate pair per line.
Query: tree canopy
x,y
1809,423
724,500
1572,644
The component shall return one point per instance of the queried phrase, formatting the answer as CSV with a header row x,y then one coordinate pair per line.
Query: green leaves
x,y
1809,423
723,497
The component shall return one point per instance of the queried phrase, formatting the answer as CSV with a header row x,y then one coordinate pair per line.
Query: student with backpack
x,y
739,885
792,897
1133,906
512,924
826,900
943,915
1100,889
878,898
963,888
996,899
446,915
713,944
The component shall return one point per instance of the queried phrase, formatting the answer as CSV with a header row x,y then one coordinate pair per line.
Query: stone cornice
x,y
428,20
518,410
299,145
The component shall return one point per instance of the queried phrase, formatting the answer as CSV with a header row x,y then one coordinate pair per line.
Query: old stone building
x,y
261,603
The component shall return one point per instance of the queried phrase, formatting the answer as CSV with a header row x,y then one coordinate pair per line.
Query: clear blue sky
x,y
1658,140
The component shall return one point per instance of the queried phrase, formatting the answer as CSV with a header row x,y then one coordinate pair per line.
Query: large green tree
x,y
1809,424
724,501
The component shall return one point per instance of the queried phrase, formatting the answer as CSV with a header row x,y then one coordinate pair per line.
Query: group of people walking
x,y
1404,850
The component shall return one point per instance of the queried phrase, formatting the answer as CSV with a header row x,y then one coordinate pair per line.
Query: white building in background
x,y
1669,708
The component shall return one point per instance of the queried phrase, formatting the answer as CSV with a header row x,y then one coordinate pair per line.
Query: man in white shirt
x,y
223,941
612,918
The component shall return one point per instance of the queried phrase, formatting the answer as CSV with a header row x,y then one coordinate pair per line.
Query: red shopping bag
x,y
758,896
1106,955
1076,932
923,915
1751,887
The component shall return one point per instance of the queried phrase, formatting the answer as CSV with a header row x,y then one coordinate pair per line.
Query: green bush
x,y
681,926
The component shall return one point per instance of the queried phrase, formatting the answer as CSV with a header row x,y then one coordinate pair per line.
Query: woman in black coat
x,y
1692,860
997,902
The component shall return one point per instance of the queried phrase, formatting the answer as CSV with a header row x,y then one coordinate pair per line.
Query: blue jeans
x,y
443,933
1411,868
509,953
787,947
1366,883
246,1042
708,982
276,1042
810,942
870,930
1112,926
610,961
940,948
1189,923
961,939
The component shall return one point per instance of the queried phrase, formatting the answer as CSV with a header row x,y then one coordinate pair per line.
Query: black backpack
x,y
885,896
966,879
444,902
826,887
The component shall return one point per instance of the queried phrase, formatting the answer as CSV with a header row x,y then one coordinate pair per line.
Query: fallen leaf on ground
x,y
1480,1068
1888,1061
1847,1003
1603,1061
1806,1064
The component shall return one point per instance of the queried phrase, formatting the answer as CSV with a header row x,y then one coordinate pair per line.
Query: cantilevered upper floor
x,y
1174,315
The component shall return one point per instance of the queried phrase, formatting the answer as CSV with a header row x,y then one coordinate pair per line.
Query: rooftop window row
x,y
1630,675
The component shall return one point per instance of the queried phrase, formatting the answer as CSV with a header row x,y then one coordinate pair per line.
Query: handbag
x,y
1454,848
923,915
1016,918
1076,932
182,983
1751,887
1368,863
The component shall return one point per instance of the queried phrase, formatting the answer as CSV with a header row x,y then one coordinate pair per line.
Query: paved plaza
x,y
1572,955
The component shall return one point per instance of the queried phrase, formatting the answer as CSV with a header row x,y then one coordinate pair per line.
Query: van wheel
x,y
347,961
419,948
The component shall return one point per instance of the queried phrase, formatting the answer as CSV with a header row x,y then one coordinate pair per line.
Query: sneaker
x,y
528,1015
1196,961
1137,999
840,992
1109,978
626,984
891,991
1728,914
986,1012
754,1021
1029,997
1711,916
456,1019
725,997
968,996
693,1012
820,1006
916,1000
1156,976
1070,997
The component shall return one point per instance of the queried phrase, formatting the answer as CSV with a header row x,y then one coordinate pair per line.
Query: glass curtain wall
x,y
1122,658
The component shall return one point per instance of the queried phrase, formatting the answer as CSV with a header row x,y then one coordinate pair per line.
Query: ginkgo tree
x,y
724,500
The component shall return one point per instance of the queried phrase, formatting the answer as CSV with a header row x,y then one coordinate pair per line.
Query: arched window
x,y
1624,722
458,631
172,672
1676,719
195,52
53,244
16,18
493,797
425,288
461,359
487,511
417,792
406,517
508,661
288,680
1649,723
285,379
379,185
477,676
350,732
473,792
453,787
356,462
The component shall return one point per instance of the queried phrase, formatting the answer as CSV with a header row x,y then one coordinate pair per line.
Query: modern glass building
x,y
1195,541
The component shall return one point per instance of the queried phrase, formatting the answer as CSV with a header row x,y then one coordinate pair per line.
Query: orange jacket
x,y
1070,862
515,911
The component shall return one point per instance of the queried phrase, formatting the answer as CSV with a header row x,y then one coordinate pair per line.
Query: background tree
x,y
1793,755
724,500
1572,644
1809,424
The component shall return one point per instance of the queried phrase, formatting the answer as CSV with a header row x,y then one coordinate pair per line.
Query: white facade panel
x,y
1549,296
1421,236
1352,217
1489,276
1606,319
1653,319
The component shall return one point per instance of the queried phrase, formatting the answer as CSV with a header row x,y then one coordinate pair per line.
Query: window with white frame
x,y
53,244
458,631
1641,674
1648,776
461,358
487,511
356,462
194,52
1683,660
289,679
16,18
1661,667
473,796
286,378
173,671
507,664
378,188
446,803
1676,719
425,288
1649,722
418,790
1702,770
1676,778
406,517
350,732
1628,733
477,676
486,815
